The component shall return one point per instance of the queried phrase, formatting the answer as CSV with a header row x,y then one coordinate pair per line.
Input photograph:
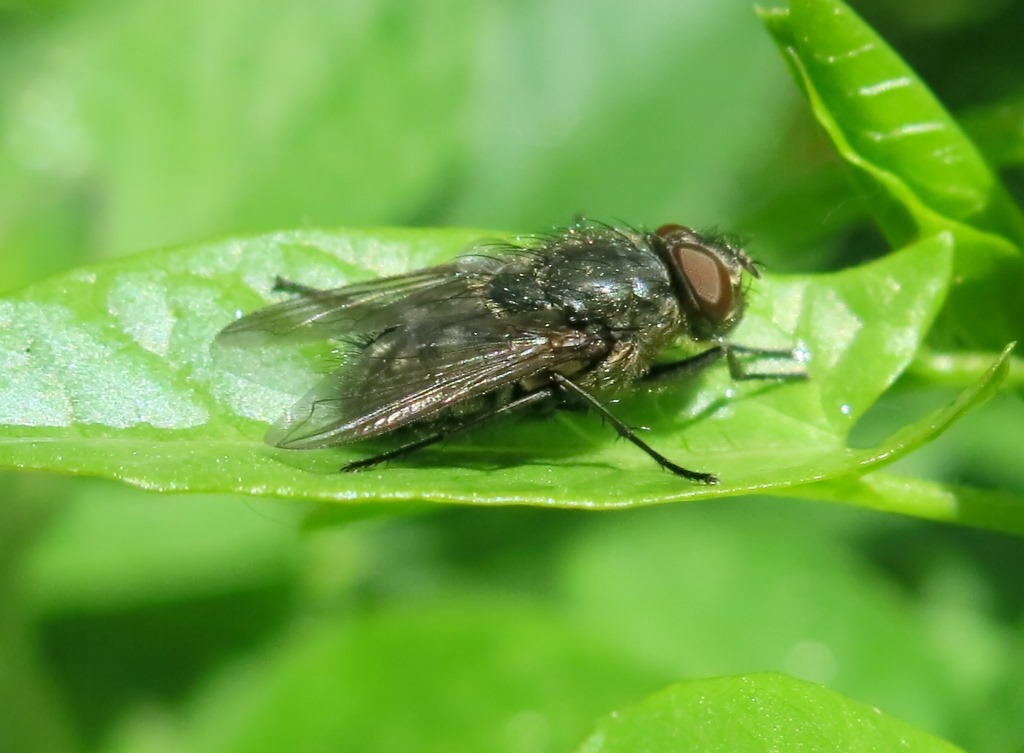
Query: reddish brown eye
x,y
674,235
709,280
666,230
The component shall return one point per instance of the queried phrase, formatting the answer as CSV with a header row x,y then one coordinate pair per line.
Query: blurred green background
x,y
136,622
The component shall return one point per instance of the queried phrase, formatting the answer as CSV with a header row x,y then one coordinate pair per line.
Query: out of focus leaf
x,y
921,175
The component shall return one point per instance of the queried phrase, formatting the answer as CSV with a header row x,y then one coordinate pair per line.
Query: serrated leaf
x,y
110,372
756,713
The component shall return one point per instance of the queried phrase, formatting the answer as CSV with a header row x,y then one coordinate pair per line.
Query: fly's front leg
x,y
627,433
735,357
693,365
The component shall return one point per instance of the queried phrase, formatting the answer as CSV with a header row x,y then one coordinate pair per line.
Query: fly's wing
x,y
331,314
418,371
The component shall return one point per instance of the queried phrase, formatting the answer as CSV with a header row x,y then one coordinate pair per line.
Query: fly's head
x,y
707,274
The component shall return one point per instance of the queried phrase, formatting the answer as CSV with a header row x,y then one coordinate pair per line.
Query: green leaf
x,y
149,122
470,673
920,174
962,368
998,130
755,713
73,566
552,138
110,372
134,124
953,503
715,590
886,122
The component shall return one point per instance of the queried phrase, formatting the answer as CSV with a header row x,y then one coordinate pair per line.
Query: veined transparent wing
x,y
332,314
402,378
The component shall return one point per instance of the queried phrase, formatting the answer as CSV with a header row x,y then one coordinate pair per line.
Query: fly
x,y
567,319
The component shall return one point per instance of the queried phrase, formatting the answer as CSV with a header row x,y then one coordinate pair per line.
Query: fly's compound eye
x,y
707,278
704,275
675,234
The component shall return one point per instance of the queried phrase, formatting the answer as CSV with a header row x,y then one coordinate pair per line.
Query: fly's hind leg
x,y
532,398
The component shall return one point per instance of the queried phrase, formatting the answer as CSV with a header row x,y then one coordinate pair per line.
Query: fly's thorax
x,y
515,289
611,280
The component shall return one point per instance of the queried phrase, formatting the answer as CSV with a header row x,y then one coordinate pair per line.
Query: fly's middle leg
x,y
627,433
